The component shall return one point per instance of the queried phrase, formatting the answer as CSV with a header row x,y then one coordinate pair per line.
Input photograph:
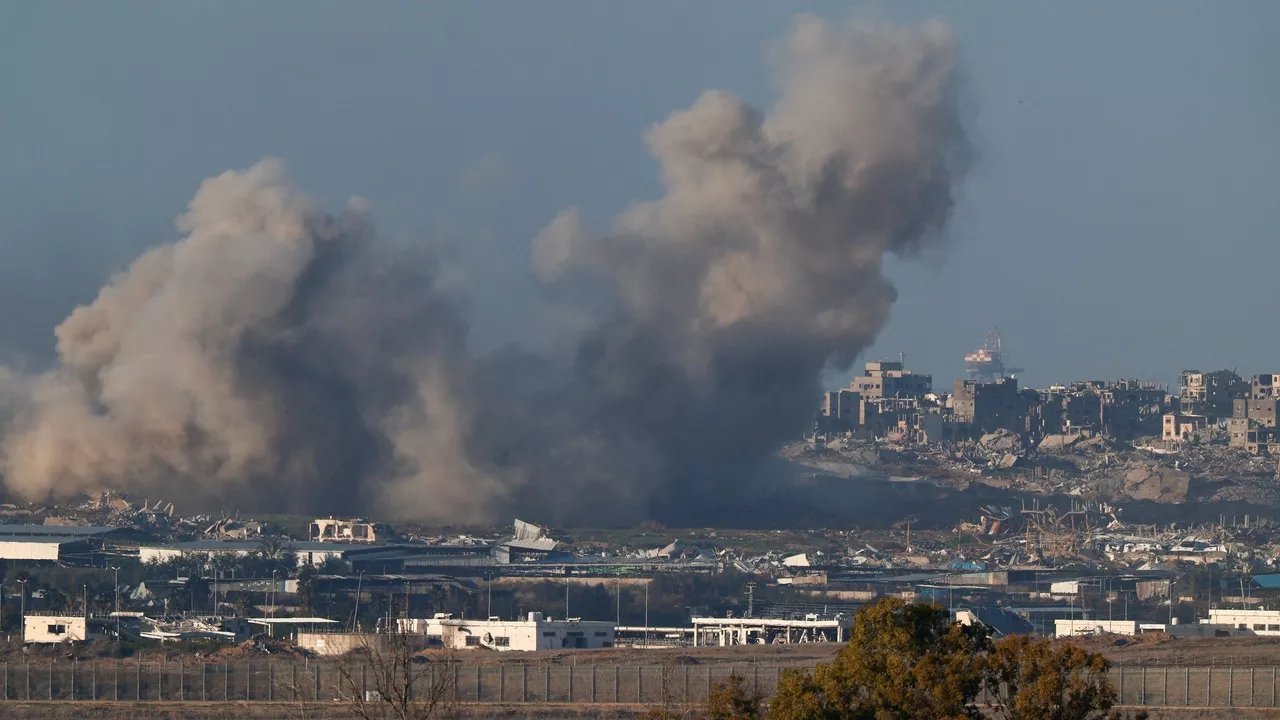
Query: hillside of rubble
x,y
1094,468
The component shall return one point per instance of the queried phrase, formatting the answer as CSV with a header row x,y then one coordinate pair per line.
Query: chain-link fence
x,y
514,683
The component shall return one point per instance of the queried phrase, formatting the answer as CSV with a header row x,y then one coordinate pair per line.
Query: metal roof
x,y
252,545
292,621
50,539
66,530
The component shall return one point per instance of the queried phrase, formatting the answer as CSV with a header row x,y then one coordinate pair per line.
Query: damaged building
x,y
1252,426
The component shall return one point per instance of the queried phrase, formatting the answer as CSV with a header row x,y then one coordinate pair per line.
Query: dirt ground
x,y
806,654
1157,649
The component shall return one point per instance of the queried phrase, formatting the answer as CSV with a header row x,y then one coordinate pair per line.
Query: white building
x,y
531,634
55,628
1068,628
1241,622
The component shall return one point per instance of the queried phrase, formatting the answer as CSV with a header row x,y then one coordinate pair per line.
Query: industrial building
x,y
52,543
308,553
536,632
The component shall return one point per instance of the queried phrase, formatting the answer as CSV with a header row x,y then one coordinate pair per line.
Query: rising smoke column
x,y
279,357
762,263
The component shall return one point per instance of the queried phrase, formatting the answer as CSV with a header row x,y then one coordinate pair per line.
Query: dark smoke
x,y
279,357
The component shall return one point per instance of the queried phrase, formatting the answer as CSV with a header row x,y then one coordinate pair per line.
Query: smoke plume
x,y
279,357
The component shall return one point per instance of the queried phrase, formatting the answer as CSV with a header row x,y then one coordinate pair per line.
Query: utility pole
x,y
646,613
617,595
488,580
566,599
117,581
23,609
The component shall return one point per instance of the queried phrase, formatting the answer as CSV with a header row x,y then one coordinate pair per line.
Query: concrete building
x,y
55,628
890,379
357,530
536,632
988,407
1180,426
1210,393
841,410
1264,386
1252,622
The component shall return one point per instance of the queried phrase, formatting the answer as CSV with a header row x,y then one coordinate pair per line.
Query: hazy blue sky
x,y
1122,220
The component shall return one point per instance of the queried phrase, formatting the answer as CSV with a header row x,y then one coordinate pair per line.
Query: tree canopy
x,y
912,662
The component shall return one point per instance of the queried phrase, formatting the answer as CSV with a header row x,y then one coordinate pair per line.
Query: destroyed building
x,y
1211,394
888,400
990,406
1252,426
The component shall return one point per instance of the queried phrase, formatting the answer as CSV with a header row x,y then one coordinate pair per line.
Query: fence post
x,y
6,679
1273,686
248,681
1121,668
524,682
1231,686
226,681
1251,673
116,675
502,683
1164,692
50,679
1208,686
708,683
75,665
639,683
571,683
685,698
204,680
28,681
546,684
593,684
182,681
615,684
1142,698
316,696
477,683
271,682
364,682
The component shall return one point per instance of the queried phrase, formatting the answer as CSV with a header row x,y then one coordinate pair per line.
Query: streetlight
x,y
488,580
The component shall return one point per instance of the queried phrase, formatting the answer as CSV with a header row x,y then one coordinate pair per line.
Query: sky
x,y
1120,221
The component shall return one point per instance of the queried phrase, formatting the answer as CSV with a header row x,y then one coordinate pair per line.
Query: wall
x,y
1067,628
40,628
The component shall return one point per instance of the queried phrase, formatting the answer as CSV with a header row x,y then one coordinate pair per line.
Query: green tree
x,y
903,662
730,700
1031,678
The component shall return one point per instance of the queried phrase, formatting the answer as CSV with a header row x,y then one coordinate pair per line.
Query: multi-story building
x,y
890,379
1253,425
1210,393
990,406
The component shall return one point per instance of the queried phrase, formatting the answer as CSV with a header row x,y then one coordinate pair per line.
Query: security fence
x,y
285,681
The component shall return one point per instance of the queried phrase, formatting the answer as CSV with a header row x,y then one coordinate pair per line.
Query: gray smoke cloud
x,y
279,357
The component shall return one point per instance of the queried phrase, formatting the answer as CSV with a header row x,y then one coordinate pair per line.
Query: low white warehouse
x,y
534,633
